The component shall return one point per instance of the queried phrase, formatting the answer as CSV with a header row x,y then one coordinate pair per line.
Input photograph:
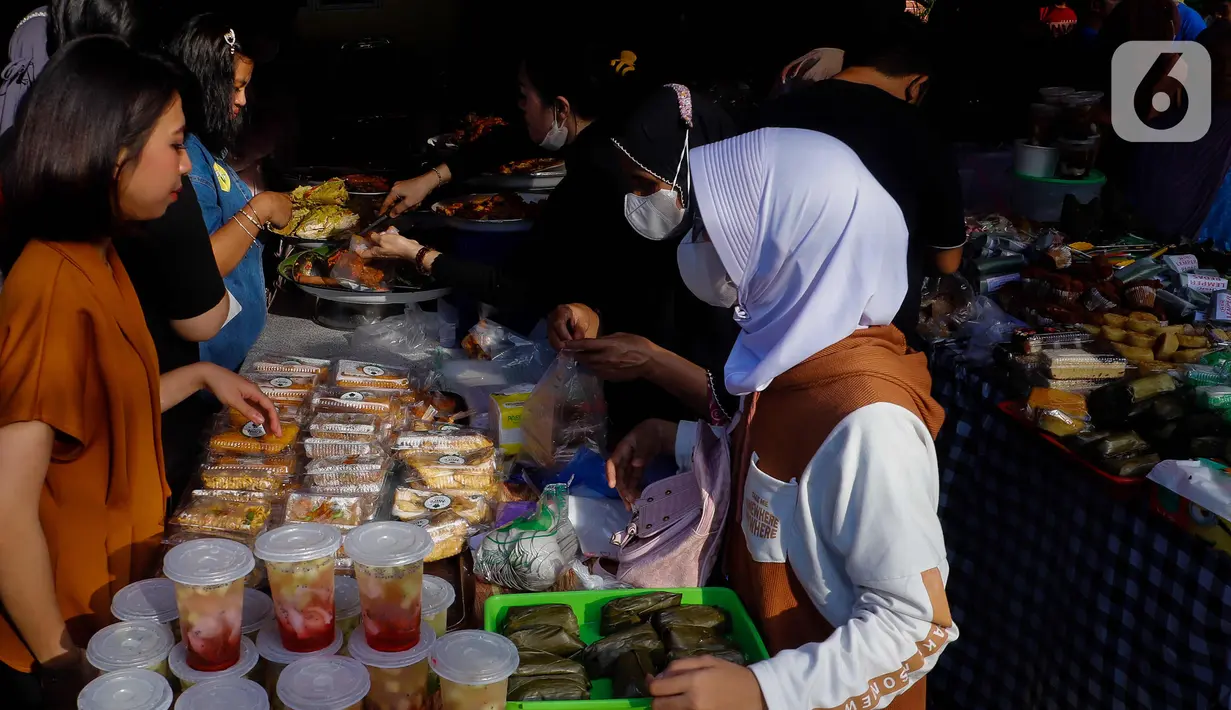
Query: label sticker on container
x,y
450,428
253,430
373,371
439,502
352,397
281,382
451,460
422,522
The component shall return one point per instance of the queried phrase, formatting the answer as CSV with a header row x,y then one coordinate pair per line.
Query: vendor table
x,y
1069,593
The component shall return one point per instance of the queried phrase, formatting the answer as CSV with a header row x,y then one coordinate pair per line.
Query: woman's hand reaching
x,y
621,357
272,207
626,467
573,321
391,245
409,194
241,394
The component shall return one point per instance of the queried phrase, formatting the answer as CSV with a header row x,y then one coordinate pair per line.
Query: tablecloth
x,y
1068,591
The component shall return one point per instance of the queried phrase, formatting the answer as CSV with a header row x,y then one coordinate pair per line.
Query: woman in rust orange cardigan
x,y
99,146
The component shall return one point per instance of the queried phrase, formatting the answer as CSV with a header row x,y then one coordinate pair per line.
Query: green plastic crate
x,y
589,605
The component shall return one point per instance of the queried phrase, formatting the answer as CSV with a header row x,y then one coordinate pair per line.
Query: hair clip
x,y
684,97
229,38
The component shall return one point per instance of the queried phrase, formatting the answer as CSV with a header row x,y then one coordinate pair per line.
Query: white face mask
x,y
656,216
556,136
703,273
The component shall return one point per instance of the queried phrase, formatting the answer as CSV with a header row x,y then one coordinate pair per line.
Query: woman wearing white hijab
x,y
833,542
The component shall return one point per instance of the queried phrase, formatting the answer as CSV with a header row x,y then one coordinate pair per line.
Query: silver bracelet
x,y
241,226
439,177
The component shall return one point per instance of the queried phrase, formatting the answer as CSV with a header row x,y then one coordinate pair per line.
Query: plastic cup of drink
x,y
148,600
258,611
188,677
399,680
474,669
1077,157
438,597
224,694
136,689
324,683
1043,123
346,606
388,559
299,560
1054,95
1080,106
276,657
130,645
209,589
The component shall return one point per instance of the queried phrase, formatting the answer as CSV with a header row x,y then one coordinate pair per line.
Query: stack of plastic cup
x,y
299,561
209,589
224,694
189,677
399,680
474,669
276,657
324,683
258,611
130,645
346,606
438,597
388,559
148,600
126,690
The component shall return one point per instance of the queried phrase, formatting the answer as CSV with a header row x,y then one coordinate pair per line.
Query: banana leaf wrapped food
x,y
600,656
549,639
708,617
630,611
538,663
631,669
548,687
561,615
696,638
736,657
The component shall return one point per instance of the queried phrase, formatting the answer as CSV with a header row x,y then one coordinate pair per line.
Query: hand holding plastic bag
x,y
565,412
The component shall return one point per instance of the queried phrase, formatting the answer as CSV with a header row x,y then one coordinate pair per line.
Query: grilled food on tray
x,y
366,183
330,192
529,166
318,222
490,207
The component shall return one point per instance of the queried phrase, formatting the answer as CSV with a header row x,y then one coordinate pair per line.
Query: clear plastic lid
x,y
269,645
129,645
388,544
224,694
147,600
258,609
136,689
474,657
209,561
346,602
178,661
359,650
323,683
438,595
298,542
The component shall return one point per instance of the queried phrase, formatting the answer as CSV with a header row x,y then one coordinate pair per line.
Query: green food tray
x,y
589,606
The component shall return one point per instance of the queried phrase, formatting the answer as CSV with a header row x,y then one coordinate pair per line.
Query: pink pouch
x,y
676,527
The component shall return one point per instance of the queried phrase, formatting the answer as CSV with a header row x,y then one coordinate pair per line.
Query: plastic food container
x,y
346,605
1076,156
1079,109
1043,123
1035,160
1054,95
299,560
347,475
332,509
209,589
474,669
438,597
188,677
224,694
222,515
252,438
1081,365
399,680
148,600
282,364
371,375
324,683
258,611
126,690
277,657
317,447
130,645
1042,199
388,559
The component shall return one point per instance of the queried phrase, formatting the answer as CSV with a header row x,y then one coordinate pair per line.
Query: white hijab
x,y
814,245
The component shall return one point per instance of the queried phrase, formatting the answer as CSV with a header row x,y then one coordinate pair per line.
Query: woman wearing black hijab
x,y
642,330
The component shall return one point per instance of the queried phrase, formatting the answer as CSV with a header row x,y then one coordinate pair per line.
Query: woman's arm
x,y
232,240
231,389
622,357
27,586
205,326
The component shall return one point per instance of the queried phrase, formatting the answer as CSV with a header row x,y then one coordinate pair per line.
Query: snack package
x,y
284,464
353,374
317,447
1043,398
449,532
209,513
251,438
285,388
413,504
252,479
347,475
1081,365
341,400
349,426
293,412
565,412
282,364
449,472
304,507
444,439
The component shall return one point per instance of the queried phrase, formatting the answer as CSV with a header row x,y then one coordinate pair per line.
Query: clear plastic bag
x,y
530,553
409,337
947,303
565,412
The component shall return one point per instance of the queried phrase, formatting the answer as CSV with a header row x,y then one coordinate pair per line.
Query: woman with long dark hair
x,y
80,391
211,50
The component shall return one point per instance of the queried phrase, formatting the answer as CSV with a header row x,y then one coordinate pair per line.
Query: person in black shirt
x,y
872,106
